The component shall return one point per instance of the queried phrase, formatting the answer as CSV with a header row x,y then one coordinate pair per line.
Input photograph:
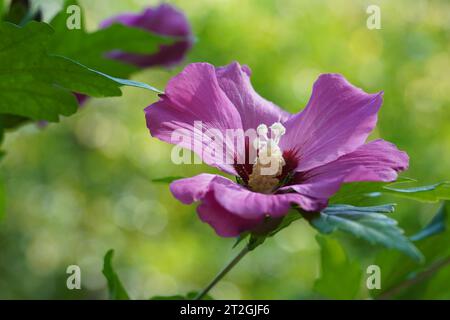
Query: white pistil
x,y
269,162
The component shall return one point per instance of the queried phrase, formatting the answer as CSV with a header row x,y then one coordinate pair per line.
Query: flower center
x,y
269,161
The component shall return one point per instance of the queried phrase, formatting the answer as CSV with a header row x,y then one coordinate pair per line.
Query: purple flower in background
x,y
315,150
163,20
81,98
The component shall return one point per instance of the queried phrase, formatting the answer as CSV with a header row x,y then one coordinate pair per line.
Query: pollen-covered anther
x,y
269,162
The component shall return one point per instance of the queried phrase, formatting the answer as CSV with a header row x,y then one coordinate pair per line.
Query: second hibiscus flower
x,y
311,153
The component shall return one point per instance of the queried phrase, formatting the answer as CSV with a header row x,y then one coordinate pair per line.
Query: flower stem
x,y
222,273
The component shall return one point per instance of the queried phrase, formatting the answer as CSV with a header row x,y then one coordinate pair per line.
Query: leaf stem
x,y
222,273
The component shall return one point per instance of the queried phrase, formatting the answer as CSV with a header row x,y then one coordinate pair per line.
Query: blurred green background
x,y
80,187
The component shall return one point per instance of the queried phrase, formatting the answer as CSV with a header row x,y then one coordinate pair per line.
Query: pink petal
x,y
230,208
337,120
249,204
377,160
192,189
195,95
234,80
224,222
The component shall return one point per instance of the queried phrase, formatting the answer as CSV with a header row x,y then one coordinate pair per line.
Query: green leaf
x,y
130,83
90,48
356,192
37,85
167,179
9,122
430,193
436,225
368,223
395,269
115,287
33,84
340,278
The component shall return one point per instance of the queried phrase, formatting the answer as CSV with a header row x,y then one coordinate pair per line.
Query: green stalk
x,y
222,273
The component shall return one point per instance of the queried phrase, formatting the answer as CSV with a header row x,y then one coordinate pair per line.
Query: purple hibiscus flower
x,y
163,20
315,150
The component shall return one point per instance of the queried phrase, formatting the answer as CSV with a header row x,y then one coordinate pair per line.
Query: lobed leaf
x,y
368,223
37,85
